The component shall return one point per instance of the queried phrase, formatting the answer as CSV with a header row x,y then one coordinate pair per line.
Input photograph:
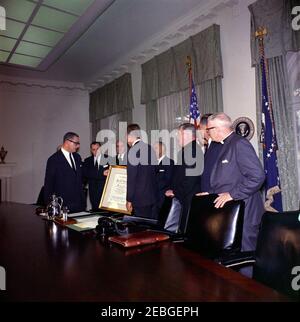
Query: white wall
x,y
239,77
238,84
33,121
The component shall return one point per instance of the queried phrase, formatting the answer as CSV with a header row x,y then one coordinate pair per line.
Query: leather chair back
x,y
170,215
278,252
214,231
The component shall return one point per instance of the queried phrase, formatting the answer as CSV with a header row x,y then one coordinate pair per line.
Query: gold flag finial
x,y
189,62
261,32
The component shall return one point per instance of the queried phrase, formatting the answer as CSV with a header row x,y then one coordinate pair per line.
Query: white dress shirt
x,y
160,159
136,141
121,156
222,142
67,156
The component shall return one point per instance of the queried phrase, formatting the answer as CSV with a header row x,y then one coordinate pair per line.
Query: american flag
x,y
268,138
194,111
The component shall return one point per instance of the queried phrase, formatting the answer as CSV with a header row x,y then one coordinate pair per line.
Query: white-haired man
x,y
237,174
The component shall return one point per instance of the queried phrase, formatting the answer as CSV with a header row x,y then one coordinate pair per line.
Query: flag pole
x,y
189,70
273,198
189,67
260,33
191,85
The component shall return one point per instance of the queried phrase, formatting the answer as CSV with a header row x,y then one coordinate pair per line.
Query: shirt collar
x,y
222,142
68,156
209,142
65,152
160,159
136,141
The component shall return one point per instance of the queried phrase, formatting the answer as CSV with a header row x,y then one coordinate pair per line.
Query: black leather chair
x,y
214,231
170,216
277,253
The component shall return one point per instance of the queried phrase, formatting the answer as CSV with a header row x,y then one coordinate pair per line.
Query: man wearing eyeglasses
x,y
64,174
237,174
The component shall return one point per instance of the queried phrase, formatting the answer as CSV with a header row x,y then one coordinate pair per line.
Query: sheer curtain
x,y
174,109
165,81
111,104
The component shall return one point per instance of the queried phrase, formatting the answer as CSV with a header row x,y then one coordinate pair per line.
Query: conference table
x,y
45,261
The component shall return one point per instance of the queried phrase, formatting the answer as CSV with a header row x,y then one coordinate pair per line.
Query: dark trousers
x,y
249,240
150,212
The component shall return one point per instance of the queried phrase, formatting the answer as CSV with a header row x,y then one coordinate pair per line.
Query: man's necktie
x,y
205,148
96,164
72,162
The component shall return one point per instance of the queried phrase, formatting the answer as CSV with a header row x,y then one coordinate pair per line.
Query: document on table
x,y
85,223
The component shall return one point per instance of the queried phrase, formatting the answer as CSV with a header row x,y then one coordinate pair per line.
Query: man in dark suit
x,y
211,152
237,174
94,173
164,173
142,192
64,174
205,138
188,169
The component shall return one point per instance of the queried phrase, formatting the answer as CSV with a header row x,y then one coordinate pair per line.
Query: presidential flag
x,y
268,138
194,111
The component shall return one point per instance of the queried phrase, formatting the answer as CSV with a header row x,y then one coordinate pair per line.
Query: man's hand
x,y
169,193
105,172
129,206
201,194
222,199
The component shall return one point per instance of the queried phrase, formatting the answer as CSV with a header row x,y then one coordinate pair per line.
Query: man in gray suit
x,y
237,174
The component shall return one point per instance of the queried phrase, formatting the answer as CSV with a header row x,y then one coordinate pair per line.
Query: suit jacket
x,y
95,178
141,175
184,185
164,176
239,172
210,157
62,180
120,161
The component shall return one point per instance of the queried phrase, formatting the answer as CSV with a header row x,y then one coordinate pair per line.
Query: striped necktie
x,y
72,162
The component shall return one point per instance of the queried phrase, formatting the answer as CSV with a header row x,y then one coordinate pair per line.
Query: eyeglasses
x,y
76,143
210,128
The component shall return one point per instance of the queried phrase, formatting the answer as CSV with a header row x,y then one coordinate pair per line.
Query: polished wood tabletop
x,y
48,262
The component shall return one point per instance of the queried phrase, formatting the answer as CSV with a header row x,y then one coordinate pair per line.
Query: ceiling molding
x,y
38,83
200,18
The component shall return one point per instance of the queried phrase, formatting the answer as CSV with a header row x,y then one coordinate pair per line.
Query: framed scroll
x,y
114,192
